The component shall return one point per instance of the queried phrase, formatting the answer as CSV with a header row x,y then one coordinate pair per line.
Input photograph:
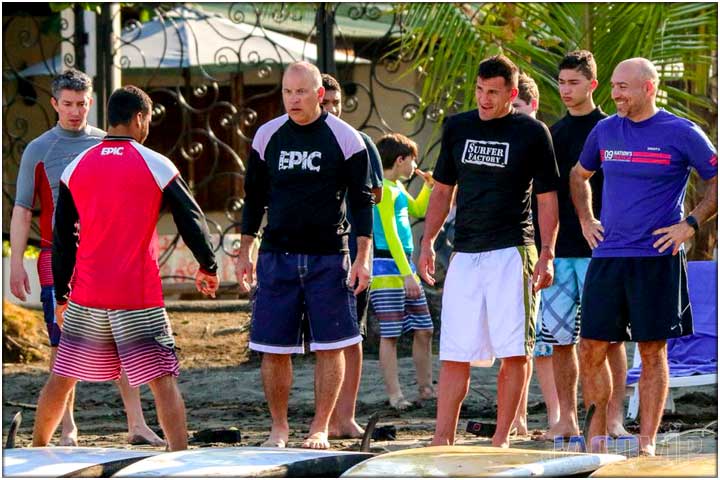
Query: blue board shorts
x,y
290,284
560,306
47,297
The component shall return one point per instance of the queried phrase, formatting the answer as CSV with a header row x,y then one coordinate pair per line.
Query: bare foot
x,y
272,443
144,436
278,437
616,431
647,451
561,430
69,440
399,403
317,441
349,430
501,442
519,427
426,392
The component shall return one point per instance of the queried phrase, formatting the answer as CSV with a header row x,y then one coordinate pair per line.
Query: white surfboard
x,y
68,461
245,462
464,461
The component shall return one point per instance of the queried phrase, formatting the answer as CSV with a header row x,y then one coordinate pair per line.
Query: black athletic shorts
x,y
636,298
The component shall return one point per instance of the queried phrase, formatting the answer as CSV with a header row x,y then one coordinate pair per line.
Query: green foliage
x,y
447,41
31,252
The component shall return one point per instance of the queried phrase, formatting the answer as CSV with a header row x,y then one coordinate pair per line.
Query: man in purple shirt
x,y
636,284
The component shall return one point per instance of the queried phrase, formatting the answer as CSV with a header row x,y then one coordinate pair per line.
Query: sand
x,y
220,382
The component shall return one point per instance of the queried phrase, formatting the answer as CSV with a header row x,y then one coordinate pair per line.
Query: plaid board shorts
x,y
96,343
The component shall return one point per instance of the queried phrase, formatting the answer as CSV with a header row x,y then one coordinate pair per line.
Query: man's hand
x,y
426,264
19,281
426,176
244,271
592,231
206,284
412,287
543,272
674,235
60,314
360,274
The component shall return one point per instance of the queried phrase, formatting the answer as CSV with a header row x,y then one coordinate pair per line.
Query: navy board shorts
x,y
47,297
290,285
639,299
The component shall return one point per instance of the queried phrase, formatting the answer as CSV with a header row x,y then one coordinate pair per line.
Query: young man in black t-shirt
x,y
560,306
302,167
496,158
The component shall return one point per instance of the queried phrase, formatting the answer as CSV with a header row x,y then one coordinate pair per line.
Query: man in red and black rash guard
x,y
42,163
114,315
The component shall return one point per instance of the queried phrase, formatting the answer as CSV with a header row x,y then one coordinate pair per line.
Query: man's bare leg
x,y
422,358
342,421
566,373
597,388
276,373
69,433
617,360
654,381
51,407
170,411
453,387
519,424
329,370
546,379
389,368
510,384
138,431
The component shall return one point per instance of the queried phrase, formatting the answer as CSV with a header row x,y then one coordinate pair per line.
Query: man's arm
x,y
548,224
19,233
438,208
21,221
360,202
582,200
675,235
65,244
257,191
193,229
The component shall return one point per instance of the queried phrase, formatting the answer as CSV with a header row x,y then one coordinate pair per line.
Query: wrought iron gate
x,y
213,72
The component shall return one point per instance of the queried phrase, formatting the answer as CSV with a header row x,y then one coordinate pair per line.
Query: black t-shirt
x,y
569,136
497,164
302,174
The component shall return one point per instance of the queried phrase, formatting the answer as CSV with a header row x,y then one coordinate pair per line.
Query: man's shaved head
x,y
643,67
308,69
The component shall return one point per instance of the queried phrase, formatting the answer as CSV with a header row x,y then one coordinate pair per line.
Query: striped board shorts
x,y
395,312
96,343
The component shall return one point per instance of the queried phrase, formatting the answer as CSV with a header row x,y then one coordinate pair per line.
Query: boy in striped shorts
x,y
114,317
396,296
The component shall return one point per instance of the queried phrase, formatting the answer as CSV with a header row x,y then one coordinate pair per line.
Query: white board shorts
x,y
488,306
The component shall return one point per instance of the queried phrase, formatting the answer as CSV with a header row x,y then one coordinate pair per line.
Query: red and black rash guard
x,y
114,192
302,173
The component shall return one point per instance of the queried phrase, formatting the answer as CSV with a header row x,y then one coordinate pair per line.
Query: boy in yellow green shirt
x,y
396,295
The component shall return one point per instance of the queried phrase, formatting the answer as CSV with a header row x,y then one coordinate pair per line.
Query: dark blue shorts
x,y
638,299
289,284
47,297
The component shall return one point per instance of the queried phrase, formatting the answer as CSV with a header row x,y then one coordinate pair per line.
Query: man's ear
x,y
534,104
593,84
514,93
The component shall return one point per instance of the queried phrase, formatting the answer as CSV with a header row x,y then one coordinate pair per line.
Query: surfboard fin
x,y
369,428
586,425
12,431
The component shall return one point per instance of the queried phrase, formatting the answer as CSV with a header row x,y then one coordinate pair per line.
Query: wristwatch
x,y
692,222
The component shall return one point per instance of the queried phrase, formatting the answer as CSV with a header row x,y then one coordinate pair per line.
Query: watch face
x,y
692,222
